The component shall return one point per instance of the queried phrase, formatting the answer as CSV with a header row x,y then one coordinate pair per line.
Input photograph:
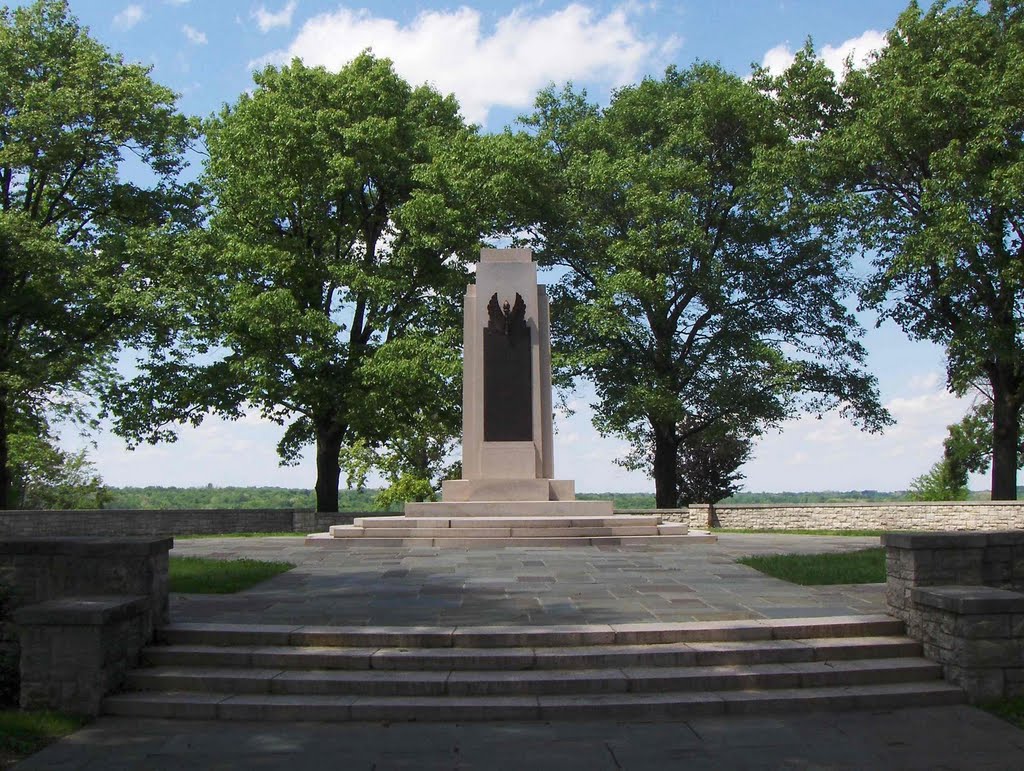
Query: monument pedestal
x,y
507,494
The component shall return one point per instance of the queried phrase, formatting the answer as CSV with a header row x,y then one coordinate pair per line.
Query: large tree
x,y
81,249
928,144
702,290
341,224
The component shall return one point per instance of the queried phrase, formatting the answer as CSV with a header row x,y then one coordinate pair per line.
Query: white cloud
x,y
194,36
859,49
927,381
268,20
833,454
484,69
777,59
129,17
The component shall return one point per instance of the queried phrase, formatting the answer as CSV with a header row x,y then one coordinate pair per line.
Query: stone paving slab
x,y
519,586
953,737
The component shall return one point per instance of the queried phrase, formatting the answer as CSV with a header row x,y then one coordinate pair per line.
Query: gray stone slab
x,y
955,737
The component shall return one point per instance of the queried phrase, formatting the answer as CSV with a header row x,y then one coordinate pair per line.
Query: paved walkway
x,y
922,739
363,585
522,585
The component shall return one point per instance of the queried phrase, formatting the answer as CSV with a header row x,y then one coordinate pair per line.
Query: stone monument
x,y
506,388
507,494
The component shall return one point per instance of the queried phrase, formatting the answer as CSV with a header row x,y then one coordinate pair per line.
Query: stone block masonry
x,y
76,650
164,522
962,596
903,515
82,609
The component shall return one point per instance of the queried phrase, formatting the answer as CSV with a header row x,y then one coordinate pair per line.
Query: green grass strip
x,y
25,733
200,575
281,534
1010,710
866,566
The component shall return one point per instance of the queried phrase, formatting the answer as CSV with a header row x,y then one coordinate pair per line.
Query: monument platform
x,y
510,523
508,494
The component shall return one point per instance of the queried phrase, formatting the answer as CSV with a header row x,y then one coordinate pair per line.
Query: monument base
x,y
464,524
458,490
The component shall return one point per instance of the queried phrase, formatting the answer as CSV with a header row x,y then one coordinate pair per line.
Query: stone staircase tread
x,y
589,531
837,627
354,538
533,682
505,522
680,654
444,708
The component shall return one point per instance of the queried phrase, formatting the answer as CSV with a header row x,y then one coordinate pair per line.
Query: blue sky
x,y
494,57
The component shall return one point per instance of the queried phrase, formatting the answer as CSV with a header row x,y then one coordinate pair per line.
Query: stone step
x,y
534,682
514,659
459,531
666,705
530,636
573,508
505,522
326,540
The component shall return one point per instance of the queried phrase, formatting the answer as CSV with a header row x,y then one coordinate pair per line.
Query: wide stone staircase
x,y
620,671
500,525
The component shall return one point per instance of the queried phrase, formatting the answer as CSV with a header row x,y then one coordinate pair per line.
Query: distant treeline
x,y
211,497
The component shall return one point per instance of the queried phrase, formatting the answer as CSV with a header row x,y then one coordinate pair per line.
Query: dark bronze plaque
x,y
508,373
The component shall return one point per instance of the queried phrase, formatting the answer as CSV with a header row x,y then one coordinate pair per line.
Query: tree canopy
x,y
924,150
345,206
81,249
701,291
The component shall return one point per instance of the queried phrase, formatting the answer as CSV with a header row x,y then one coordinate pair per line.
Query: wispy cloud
x,y
858,50
485,69
194,36
268,20
129,17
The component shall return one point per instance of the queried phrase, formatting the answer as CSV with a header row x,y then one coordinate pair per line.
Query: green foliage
x,y
25,733
346,210
704,288
969,442
708,463
942,482
866,566
925,153
47,477
1010,710
211,497
82,253
621,500
199,575
825,496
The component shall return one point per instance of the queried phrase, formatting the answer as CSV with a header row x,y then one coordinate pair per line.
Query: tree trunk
x,y
666,487
6,481
328,468
1005,440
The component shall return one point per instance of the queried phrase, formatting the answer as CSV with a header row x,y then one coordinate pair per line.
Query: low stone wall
x,y
962,596
164,522
910,515
76,650
82,608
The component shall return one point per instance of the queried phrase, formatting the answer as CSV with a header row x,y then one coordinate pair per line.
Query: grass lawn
x,y
866,566
289,533
1010,710
200,575
25,733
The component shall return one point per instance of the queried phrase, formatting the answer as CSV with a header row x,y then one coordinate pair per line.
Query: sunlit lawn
x,y
866,566
200,575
